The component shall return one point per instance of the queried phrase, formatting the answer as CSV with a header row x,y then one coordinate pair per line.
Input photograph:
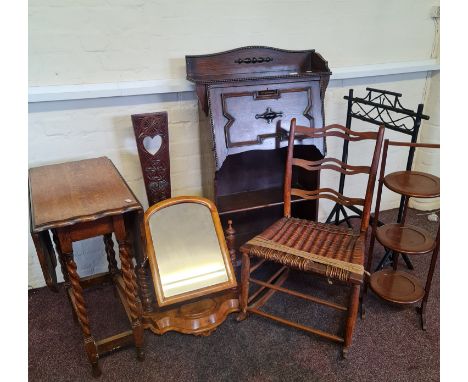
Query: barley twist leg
x,y
135,281
130,284
109,245
63,267
77,291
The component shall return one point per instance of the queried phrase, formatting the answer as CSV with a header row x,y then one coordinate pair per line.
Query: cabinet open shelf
x,y
249,189
251,200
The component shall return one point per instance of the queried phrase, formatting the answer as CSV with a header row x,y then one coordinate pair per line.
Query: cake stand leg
x,y
422,312
435,255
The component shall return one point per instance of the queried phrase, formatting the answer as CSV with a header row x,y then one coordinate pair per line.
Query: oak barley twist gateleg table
x,y
75,201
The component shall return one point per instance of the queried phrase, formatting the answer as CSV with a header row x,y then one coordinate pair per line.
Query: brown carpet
x,y
388,345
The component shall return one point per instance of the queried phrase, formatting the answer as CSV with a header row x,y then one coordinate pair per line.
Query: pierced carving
x,y
160,187
152,138
253,60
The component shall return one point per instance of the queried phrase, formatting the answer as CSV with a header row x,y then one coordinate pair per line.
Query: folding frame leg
x,y
332,213
351,319
408,262
422,310
244,292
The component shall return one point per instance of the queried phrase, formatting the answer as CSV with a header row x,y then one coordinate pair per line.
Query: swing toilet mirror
x,y
186,250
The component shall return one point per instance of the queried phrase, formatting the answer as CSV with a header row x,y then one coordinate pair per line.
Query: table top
x,y
75,192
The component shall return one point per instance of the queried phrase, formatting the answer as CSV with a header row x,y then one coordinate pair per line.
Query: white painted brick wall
x,y
428,160
87,41
71,130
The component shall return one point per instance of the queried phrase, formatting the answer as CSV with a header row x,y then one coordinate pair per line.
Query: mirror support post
x,y
230,234
144,287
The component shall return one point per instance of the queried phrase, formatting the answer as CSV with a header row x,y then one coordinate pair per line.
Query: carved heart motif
x,y
152,145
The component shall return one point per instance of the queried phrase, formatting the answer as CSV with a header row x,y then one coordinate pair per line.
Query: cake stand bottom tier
x,y
396,286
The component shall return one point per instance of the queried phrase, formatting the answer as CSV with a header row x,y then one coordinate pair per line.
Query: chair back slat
x,y
344,168
327,193
336,130
342,132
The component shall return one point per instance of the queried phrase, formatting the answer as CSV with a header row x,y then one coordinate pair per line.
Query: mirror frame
x,y
150,250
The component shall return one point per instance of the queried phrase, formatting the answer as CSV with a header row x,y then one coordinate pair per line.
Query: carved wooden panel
x,y
152,138
257,117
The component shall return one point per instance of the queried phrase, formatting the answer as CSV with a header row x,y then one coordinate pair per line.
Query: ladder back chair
x,y
335,252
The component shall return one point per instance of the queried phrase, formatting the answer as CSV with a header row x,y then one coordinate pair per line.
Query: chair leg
x,y
244,292
351,319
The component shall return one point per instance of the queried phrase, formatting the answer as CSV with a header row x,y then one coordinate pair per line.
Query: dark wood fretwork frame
x,y
379,107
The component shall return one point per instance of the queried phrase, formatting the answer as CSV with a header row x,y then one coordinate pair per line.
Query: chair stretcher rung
x,y
269,281
297,326
300,295
257,265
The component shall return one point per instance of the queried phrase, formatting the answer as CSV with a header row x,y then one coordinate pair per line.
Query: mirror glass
x,y
187,249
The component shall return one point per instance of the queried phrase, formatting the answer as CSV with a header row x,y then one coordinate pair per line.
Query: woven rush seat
x,y
327,250
332,251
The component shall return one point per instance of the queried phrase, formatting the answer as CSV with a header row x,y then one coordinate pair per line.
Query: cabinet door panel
x,y
257,117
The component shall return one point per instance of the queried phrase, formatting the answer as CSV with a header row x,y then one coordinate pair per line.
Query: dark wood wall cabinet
x,y
247,98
